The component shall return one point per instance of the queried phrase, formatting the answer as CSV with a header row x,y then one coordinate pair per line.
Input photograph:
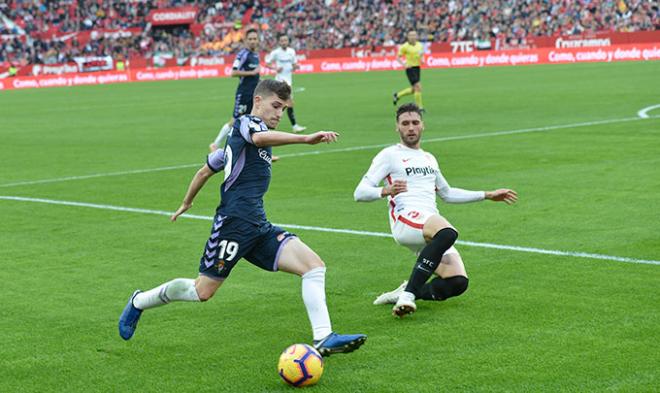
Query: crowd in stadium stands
x,y
312,24
374,23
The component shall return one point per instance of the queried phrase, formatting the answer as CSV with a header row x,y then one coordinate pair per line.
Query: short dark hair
x,y
280,35
269,87
250,31
409,107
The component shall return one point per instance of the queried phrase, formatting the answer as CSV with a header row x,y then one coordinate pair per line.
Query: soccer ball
x,y
300,365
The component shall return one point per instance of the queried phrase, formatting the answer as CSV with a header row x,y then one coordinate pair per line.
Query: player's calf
x,y
429,259
444,288
179,289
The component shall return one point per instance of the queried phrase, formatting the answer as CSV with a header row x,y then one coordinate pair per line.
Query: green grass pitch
x,y
528,323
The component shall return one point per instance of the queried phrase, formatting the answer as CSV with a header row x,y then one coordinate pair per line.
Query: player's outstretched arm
x,y
198,181
278,138
502,195
454,194
459,195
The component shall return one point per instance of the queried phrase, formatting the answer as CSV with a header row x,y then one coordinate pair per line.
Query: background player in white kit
x,y
286,64
412,180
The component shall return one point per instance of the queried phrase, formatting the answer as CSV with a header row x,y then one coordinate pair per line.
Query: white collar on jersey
x,y
401,145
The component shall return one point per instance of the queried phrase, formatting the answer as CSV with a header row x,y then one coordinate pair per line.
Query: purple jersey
x,y
247,171
246,60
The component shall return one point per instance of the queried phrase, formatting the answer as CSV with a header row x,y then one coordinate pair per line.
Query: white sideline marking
x,y
326,151
643,114
336,230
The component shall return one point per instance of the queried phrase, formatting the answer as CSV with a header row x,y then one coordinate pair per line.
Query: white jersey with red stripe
x,y
418,168
408,211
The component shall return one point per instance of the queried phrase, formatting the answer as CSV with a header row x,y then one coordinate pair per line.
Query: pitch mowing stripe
x,y
346,149
68,178
473,136
343,231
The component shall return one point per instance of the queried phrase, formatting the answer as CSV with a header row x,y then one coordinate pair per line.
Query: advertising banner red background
x,y
634,52
172,16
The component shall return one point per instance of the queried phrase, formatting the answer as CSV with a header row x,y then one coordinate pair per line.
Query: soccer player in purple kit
x,y
246,67
240,228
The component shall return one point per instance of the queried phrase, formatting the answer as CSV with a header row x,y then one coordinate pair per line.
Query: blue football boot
x,y
339,343
129,318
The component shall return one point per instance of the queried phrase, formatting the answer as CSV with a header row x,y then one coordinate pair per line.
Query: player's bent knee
x,y
206,291
435,224
205,295
309,258
318,262
307,266
450,287
313,263
447,235
460,284
451,233
298,258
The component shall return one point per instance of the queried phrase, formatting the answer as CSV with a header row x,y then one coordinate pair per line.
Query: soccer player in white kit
x,y
285,61
412,179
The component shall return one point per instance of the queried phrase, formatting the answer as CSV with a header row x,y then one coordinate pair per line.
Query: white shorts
x,y
288,81
408,230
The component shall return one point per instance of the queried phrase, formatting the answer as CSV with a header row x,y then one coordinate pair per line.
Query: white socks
x,y
179,289
183,289
313,293
224,131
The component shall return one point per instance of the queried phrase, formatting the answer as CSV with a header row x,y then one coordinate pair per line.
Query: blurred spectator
x,y
351,23
311,24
